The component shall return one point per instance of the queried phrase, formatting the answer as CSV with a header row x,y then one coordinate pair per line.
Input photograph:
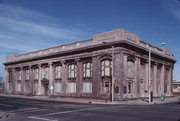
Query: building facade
x,y
85,69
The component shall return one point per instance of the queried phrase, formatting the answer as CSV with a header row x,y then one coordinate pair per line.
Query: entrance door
x,y
46,89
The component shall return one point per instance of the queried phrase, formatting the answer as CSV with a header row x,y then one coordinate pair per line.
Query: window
x,y
46,72
129,86
57,87
72,71
19,75
36,87
36,73
106,66
18,86
57,72
71,87
87,69
27,74
87,87
105,87
130,69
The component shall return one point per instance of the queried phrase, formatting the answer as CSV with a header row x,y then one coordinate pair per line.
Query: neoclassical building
x,y
85,69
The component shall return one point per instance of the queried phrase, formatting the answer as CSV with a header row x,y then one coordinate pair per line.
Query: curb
x,y
90,102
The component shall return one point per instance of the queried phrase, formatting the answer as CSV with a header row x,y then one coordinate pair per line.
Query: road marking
x,y
45,119
72,111
6,105
22,110
34,110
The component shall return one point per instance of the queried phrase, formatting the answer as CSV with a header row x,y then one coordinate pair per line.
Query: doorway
x,y
46,89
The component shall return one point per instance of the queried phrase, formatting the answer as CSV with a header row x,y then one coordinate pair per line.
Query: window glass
x,y
36,73
57,87
87,87
18,86
87,69
36,87
46,72
27,74
105,87
72,71
58,72
19,75
106,68
130,69
71,87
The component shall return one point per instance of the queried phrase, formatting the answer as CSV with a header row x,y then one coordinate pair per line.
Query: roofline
x,y
89,47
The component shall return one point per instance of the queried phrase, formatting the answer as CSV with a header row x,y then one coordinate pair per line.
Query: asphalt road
x,y
16,109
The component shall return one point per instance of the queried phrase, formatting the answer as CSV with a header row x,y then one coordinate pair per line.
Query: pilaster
x,y
13,80
39,81
124,74
96,77
78,77
155,80
51,78
6,80
64,76
146,79
162,78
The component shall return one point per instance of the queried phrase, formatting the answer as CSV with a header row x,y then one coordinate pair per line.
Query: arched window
x,y
130,69
106,68
72,70
46,72
87,70
57,72
19,75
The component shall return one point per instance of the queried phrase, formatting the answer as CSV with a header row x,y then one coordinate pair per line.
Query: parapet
x,y
116,35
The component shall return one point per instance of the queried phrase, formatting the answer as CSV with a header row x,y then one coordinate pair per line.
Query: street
x,y
16,109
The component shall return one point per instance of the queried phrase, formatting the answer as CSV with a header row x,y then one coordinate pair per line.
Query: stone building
x,y
84,69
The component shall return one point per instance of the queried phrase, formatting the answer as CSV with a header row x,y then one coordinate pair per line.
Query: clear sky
x,y
29,25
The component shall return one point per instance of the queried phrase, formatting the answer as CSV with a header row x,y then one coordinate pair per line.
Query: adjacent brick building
x,y
84,69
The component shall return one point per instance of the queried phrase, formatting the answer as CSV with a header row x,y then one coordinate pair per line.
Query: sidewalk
x,y
94,101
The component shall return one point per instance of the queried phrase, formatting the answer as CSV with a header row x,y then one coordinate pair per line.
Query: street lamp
x,y
149,77
112,79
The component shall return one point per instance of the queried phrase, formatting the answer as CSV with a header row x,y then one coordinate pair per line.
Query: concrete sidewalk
x,y
94,101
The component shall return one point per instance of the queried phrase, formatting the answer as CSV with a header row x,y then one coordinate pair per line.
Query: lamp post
x,y
112,79
150,93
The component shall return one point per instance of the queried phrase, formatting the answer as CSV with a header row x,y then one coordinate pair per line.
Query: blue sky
x,y
29,25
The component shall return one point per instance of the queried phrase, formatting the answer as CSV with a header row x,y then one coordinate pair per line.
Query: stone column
x,y
39,80
155,80
170,81
64,76
162,79
96,77
51,78
6,80
146,79
22,80
118,74
124,74
137,78
78,77
14,80
31,80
